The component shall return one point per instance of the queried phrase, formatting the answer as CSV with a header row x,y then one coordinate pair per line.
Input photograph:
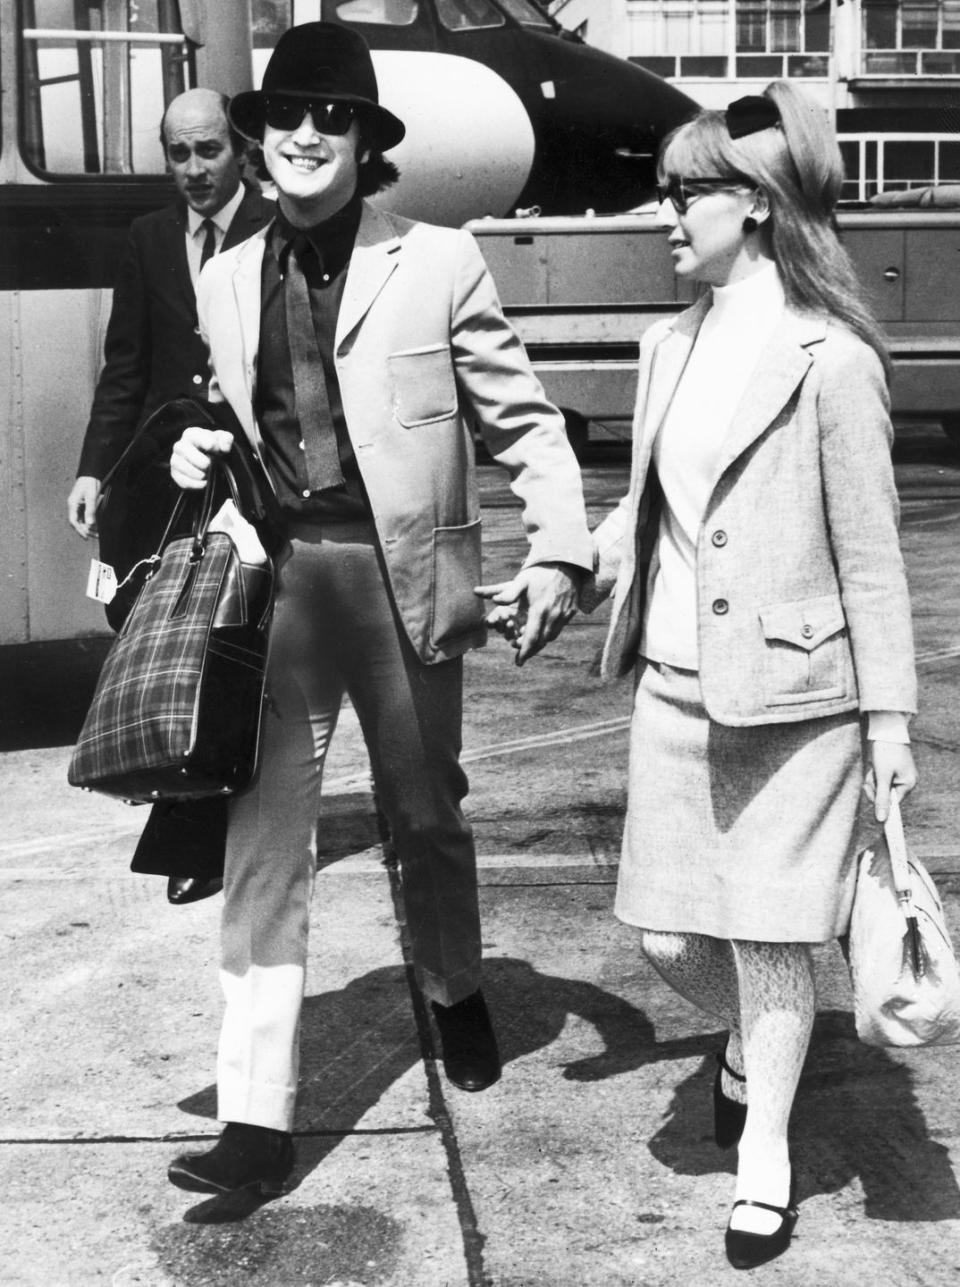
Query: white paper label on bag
x,y
101,582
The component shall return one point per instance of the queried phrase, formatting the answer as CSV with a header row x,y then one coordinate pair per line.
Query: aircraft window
x,y
97,75
382,13
459,15
528,15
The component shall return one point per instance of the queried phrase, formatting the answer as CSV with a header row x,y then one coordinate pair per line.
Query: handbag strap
x,y
899,860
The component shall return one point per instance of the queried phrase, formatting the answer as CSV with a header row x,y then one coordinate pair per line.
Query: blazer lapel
x,y
376,253
782,366
252,213
246,287
177,229
666,367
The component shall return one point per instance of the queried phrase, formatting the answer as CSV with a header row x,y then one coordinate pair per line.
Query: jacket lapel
x,y
782,366
177,232
376,253
666,367
246,288
252,213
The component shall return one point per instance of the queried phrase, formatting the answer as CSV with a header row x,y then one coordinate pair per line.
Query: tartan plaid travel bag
x,y
176,711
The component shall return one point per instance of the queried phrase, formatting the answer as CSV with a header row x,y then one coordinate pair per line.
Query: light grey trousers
x,y
335,631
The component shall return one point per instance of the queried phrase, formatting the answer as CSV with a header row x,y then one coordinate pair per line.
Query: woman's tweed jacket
x,y
803,608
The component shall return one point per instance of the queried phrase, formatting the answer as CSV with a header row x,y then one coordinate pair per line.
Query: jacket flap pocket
x,y
805,623
423,383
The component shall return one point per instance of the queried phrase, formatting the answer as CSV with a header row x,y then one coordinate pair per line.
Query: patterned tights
x,y
764,994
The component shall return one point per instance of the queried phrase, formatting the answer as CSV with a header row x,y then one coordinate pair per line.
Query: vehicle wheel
x,y
578,431
950,424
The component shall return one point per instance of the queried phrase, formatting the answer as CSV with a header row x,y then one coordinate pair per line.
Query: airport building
x,y
889,70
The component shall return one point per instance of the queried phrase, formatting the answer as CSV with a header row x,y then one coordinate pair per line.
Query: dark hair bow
x,y
751,113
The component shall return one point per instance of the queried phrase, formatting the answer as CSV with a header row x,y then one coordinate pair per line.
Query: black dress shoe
x,y
729,1115
190,889
244,1157
471,1059
746,1250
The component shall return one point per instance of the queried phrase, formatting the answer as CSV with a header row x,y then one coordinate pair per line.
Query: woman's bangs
x,y
697,150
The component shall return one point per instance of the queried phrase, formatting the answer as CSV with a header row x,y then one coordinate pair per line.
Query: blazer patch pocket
x,y
456,570
423,385
805,650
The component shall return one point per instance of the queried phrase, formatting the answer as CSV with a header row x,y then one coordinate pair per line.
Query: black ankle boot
x,y
244,1157
471,1059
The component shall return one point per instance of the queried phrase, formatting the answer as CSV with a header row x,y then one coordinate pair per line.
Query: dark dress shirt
x,y
325,270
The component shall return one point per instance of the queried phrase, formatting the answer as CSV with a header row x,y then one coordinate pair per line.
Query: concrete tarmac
x,y
592,1161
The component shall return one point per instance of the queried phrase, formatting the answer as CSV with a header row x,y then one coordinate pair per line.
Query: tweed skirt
x,y
738,833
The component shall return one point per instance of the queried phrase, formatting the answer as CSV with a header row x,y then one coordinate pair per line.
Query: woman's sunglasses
x,y
328,118
680,192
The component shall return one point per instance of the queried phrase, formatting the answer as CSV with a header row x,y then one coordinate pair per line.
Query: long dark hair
x,y
797,163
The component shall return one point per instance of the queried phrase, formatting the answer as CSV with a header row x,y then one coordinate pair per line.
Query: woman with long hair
x,y
760,599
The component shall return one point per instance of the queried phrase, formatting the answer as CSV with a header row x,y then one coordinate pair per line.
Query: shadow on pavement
x,y
855,1117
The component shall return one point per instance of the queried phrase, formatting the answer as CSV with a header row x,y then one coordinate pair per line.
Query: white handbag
x,y
906,982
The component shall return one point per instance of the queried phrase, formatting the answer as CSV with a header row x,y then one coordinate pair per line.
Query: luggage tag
x,y
101,582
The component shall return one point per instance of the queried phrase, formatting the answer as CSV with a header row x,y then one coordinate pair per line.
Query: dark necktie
x,y
209,241
309,381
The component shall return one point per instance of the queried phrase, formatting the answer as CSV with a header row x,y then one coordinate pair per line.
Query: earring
x,y
750,224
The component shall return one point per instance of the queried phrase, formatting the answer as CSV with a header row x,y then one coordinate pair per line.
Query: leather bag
x,y
906,982
138,495
176,711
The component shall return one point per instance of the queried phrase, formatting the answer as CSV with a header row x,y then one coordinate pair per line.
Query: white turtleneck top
x,y
686,453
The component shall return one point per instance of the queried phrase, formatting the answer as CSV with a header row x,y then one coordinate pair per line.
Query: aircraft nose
x,y
600,122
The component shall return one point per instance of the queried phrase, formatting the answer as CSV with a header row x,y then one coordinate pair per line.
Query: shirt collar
x,y
223,218
332,239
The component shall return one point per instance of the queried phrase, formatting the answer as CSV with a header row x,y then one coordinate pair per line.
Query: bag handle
x,y
903,886
204,512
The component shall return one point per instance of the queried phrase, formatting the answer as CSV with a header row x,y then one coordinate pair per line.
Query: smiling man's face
x,y
315,173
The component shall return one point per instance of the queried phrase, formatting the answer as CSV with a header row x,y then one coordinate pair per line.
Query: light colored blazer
x,y
802,600
422,351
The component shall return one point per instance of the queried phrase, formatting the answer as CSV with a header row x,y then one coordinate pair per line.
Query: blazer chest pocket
x,y
422,385
804,650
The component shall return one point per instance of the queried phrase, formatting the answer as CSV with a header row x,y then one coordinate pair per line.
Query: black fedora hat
x,y
320,60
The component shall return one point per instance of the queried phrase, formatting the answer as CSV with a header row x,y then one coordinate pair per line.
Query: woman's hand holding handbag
x,y
906,981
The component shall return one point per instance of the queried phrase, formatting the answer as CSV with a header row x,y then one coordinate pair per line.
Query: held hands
x,y
534,607
192,453
892,769
82,505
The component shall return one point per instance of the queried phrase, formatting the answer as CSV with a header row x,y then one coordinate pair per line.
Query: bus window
x,y
456,15
381,13
97,75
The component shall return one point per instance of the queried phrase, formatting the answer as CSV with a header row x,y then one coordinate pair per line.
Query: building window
x,y
876,163
680,37
911,37
763,39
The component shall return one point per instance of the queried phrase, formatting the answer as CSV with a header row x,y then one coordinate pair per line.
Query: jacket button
x,y
721,607
807,631
719,538
198,379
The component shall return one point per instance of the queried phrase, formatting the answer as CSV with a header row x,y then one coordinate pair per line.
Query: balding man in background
x,y
153,353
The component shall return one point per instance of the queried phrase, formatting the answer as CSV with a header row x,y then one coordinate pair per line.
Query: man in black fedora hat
x,y
357,350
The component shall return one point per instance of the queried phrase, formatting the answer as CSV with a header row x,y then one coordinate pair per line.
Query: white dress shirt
x,y
195,231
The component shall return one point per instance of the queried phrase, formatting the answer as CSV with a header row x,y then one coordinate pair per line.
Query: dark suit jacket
x,y
153,348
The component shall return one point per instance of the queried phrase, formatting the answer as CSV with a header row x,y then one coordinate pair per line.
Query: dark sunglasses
x,y
283,113
680,192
